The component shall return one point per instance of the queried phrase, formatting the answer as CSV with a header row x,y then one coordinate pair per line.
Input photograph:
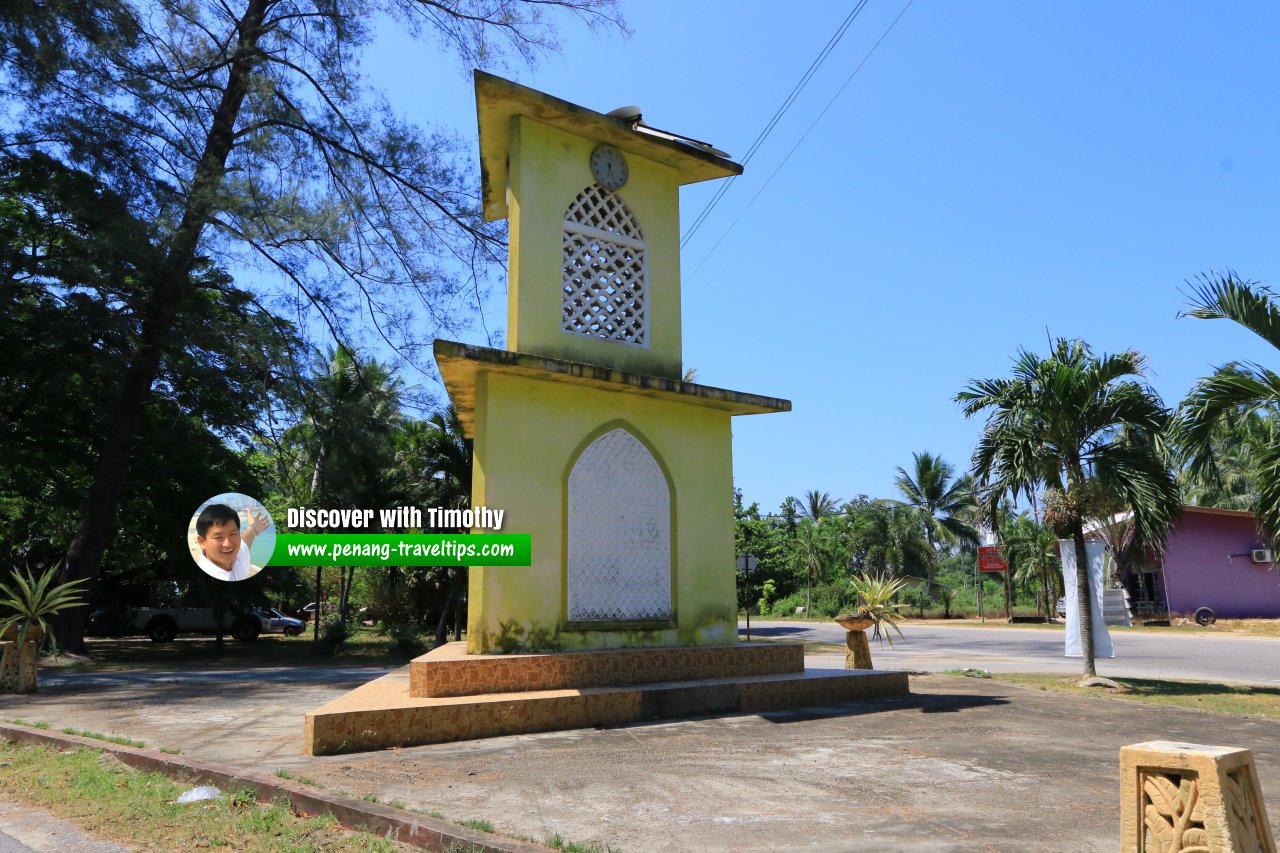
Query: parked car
x,y
163,624
108,622
275,622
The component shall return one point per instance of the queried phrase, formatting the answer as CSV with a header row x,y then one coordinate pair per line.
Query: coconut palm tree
x,y
1031,549
341,453
1237,443
944,500
819,505
1088,429
435,461
1236,388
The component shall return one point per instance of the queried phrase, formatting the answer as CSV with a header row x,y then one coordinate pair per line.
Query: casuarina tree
x,y
244,130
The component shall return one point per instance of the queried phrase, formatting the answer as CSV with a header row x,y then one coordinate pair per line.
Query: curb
x,y
421,831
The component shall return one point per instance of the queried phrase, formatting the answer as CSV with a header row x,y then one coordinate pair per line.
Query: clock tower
x,y
587,438
584,433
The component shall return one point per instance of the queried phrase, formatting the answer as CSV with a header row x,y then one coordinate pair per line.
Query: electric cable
x,y
802,138
777,116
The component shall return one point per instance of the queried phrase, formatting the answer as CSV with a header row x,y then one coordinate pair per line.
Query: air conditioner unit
x,y
1261,555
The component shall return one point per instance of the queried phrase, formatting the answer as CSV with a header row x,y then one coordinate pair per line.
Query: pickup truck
x,y
163,624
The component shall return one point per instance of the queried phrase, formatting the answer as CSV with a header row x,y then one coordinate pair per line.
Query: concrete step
x,y
383,714
450,671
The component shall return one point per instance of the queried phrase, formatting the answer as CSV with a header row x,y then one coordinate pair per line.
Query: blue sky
x,y
995,172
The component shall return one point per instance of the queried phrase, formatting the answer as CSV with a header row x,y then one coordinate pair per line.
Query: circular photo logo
x,y
231,536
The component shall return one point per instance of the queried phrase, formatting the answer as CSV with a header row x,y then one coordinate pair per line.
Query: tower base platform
x,y
386,713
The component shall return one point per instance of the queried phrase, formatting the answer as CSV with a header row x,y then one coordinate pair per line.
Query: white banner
x,y
1094,550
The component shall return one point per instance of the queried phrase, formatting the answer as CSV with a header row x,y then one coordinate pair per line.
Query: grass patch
x,y
482,825
112,801
305,780
555,842
1245,700
118,739
168,750
29,725
107,654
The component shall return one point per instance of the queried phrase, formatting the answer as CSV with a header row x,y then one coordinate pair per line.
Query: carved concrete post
x,y
857,654
1177,797
8,666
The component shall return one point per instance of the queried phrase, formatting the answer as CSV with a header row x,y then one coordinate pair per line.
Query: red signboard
x,y
991,560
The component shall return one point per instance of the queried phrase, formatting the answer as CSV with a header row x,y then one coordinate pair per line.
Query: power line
x,y
802,138
777,116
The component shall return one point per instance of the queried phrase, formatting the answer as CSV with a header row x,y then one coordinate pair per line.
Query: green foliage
x,y
408,639
334,633
73,258
480,824
768,590
876,598
31,601
1219,413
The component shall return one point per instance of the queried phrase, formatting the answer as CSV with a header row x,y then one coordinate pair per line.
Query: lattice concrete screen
x,y
1187,798
619,533
604,279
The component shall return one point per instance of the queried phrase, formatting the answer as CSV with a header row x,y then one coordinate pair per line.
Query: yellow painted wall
x,y
526,434
548,168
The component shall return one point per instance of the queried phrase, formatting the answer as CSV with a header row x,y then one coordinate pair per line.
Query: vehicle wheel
x,y
1205,616
292,631
162,630
245,631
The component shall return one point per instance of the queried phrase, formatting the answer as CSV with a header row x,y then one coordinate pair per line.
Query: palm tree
x,y
907,550
342,451
435,461
1236,445
1077,424
819,505
943,499
812,549
1031,549
1236,388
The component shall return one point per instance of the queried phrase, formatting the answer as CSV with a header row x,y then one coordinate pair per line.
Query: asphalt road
x,y
936,648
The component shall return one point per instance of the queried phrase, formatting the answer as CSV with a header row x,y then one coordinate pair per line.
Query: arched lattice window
x,y
604,277
619,533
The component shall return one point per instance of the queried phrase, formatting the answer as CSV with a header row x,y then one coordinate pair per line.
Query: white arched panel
x,y
619,533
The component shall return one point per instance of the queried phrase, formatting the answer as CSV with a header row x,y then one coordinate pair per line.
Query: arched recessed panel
x,y
604,288
619,549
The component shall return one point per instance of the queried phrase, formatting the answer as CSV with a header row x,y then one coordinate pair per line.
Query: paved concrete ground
x,y
964,764
27,830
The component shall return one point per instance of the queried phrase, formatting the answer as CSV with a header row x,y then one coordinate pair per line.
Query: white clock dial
x,y
609,167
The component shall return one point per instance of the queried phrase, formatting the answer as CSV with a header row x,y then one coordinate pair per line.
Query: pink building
x,y
1210,560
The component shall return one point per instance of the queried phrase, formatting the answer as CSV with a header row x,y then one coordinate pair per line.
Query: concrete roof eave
x,y
461,364
498,100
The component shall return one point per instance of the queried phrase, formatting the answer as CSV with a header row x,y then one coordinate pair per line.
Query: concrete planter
x,y
18,662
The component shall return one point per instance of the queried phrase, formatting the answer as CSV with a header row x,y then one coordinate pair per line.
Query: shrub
x,y
787,606
334,633
407,639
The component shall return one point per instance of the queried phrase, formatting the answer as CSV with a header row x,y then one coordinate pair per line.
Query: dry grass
x,y
1245,700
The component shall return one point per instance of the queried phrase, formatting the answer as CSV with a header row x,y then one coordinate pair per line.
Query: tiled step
x,y
450,671
383,714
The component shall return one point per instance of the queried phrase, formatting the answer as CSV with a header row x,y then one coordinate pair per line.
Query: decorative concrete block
x,y
1189,798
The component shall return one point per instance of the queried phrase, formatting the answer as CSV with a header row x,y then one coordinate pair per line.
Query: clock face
x,y
609,167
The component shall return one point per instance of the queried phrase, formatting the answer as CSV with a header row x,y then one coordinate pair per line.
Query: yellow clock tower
x,y
584,432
